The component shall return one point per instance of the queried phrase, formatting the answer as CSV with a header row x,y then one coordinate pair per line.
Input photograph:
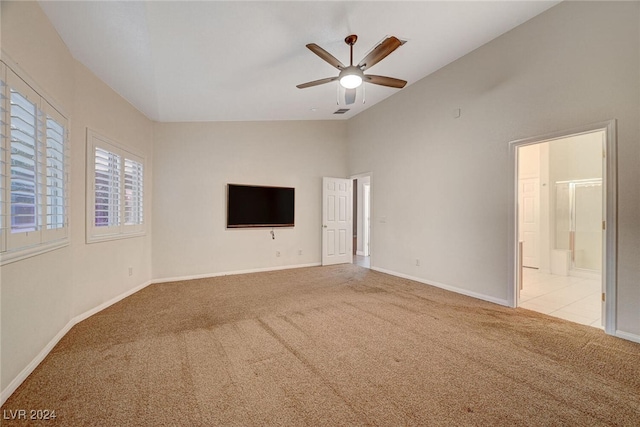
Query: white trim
x,y
455,289
610,267
23,253
371,223
627,336
79,318
16,68
232,273
95,234
585,274
609,272
107,237
15,246
19,379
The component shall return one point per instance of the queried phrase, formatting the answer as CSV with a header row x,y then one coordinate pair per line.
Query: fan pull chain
x,y
364,95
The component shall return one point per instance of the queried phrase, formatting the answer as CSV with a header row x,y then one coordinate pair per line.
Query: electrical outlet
x,y
277,253
417,263
130,271
299,251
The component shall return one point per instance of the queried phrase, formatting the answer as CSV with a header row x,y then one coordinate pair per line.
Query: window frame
x,y
20,245
121,230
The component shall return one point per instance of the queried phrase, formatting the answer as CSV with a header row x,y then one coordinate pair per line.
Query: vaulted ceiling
x,y
242,60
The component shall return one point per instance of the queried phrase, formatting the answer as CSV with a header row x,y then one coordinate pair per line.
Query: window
x,y
116,179
133,174
34,171
107,188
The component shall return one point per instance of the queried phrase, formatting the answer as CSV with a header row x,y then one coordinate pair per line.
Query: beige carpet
x,y
332,346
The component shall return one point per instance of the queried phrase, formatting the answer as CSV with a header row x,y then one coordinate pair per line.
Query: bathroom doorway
x,y
563,208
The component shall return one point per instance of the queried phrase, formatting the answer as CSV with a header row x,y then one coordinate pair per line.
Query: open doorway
x,y
564,225
361,220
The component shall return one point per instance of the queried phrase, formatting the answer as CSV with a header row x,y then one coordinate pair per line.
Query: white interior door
x,y
336,221
529,213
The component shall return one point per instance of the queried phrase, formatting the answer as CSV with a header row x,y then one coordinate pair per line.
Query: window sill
x,y
108,237
24,253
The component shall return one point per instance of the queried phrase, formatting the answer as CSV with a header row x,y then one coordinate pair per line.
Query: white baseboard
x,y
627,336
446,287
79,318
19,379
619,334
231,273
585,274
13,385
361,253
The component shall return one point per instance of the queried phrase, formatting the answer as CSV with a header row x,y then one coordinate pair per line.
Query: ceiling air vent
x,y
341,111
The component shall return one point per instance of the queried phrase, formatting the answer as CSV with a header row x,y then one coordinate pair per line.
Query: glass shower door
x,y
578,222
564,232
587,219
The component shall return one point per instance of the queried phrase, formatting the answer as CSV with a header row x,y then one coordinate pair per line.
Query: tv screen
x,y
259,206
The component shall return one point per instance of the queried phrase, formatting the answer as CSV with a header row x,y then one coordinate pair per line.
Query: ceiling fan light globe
x,y
351,77
350,81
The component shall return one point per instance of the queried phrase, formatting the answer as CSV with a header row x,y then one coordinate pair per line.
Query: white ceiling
x,y
229,61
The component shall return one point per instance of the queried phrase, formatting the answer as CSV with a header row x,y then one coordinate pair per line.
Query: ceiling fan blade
x,y
316,82
325,55
380,52
385,81
349,96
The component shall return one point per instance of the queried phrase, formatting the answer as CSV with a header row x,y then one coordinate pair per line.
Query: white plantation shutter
x,y
24,162
56,175
133,188
107,188
25,171
4,126
34,163
116,204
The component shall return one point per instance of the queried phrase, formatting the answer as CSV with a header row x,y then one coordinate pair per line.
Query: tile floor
x,y
571,298
362,261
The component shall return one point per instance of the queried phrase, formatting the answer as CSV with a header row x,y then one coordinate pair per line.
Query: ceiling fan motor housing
x,y
351,40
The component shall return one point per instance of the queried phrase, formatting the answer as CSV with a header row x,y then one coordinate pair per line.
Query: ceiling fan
x,y
353,76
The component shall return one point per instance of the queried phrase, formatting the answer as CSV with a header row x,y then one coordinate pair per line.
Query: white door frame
x,y
366,218
609,176
371,231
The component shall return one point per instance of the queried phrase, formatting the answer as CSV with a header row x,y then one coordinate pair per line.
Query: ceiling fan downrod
x,y
351,40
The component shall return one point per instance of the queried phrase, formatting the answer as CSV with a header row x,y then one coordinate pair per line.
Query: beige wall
x,y
443,184
193,162
576,157
441,191
41,294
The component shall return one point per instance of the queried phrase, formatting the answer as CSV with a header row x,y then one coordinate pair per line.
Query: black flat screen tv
x,y
259,206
